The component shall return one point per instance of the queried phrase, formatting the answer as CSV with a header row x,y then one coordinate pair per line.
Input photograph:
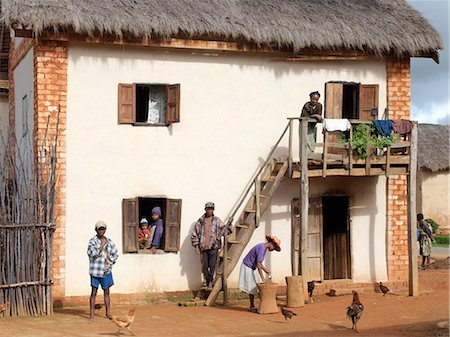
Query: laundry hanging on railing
x,y
336,124
383,127
402,126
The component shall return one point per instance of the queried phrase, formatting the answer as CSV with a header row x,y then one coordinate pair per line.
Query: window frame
x,y
128,104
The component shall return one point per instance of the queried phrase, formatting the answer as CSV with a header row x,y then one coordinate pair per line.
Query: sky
x,y
430,89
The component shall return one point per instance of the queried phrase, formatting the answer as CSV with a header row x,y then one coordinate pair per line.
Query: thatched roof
x,y
433,147
374,26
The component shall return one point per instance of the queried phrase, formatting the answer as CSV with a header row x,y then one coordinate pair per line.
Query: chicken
x,y
384,289
124,321
3,308
287,313
331,293
98,306
354,311
310,290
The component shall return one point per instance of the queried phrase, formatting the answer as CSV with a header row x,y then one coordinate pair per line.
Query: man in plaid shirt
x,y
102,254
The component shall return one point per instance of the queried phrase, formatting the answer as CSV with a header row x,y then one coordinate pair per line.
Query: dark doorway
x,y
336,238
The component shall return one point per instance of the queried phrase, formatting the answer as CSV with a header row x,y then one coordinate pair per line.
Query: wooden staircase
x,y
265,185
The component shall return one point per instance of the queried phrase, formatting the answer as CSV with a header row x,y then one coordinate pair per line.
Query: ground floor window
x,y
134,209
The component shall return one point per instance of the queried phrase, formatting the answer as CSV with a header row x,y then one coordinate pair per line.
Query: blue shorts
x,y
105,282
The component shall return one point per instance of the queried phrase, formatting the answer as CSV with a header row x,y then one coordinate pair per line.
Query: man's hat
x,y
209,204
100,224
275,241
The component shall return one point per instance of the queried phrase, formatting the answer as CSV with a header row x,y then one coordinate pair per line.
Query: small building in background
x,y
433,178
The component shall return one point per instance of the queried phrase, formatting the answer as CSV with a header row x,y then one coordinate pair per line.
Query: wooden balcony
x,y
334,158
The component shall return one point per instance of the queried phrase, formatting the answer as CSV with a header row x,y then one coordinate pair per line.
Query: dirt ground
x,y
393,315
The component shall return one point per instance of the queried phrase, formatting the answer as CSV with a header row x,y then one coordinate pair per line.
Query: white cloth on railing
x,y
336,124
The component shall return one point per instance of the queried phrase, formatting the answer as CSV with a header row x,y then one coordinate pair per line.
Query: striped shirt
x,y
101,261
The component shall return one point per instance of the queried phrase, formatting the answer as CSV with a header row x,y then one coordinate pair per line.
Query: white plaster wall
x,y
24,114
367,230
435,200
233,109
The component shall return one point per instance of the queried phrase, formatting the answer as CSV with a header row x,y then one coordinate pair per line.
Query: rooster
x,y
98,306
124,321
354,311
287,313
384,289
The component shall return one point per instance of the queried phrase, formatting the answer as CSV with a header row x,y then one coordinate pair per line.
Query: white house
x,y
179,103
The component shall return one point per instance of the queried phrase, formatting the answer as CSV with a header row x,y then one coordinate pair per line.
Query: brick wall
x,y
50,95
398,105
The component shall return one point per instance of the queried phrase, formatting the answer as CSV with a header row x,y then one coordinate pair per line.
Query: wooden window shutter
x,y
130,225
172,225
127,103
333,100
173,104
368,101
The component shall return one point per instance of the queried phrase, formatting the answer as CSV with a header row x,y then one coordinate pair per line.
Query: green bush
x,y
442,239
433,224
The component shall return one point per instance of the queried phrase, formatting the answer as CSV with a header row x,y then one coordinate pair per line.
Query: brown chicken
x,y
98,306
354,311
124,321
287,313
3,308
384,289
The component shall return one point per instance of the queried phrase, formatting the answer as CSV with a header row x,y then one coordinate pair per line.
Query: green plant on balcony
x,y
365,140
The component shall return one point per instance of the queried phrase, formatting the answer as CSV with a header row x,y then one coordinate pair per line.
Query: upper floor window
x,y
149,104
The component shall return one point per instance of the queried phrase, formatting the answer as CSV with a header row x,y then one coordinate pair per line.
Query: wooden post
x,y
225,265
325,154
412,240
257,201
291,135
304,200
350,151
388,160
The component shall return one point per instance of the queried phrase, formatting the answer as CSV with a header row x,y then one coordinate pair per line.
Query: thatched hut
x,y
163,101
433,177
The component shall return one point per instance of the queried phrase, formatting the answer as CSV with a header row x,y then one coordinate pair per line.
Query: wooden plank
x,y
397,145
356,172
325,154
257,201
304,201
291,137
330,156
295,237
350,151
380,160
388,161
412,242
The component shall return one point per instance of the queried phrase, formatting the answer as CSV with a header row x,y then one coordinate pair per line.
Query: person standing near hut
x,y
102,254
312,109
206,238
425,238
251,272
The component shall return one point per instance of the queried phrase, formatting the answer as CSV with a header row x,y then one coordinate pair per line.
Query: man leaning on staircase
x,y
206,239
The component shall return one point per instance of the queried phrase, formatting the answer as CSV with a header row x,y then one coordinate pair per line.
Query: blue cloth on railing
x,y
384,127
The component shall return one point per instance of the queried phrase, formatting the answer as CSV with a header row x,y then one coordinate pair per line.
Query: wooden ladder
x,y
266,183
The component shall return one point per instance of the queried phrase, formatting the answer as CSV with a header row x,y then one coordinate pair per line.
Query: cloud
x,y
434,114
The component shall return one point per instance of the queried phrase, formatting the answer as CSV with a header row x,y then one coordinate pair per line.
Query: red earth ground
x,y
393,315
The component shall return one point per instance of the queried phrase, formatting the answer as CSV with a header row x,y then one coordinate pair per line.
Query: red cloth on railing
x,y
402,126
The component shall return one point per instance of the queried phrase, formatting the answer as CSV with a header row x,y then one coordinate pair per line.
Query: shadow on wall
x,y
190,263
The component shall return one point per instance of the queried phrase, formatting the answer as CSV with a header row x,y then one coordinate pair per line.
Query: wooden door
x,y
333,110
314,254
368,101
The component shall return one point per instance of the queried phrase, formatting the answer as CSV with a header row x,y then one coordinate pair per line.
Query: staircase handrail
x,y
258,172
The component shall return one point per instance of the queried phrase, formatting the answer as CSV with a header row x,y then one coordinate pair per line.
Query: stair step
x,y
268,179
243,225
233,242
261,195
249,210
